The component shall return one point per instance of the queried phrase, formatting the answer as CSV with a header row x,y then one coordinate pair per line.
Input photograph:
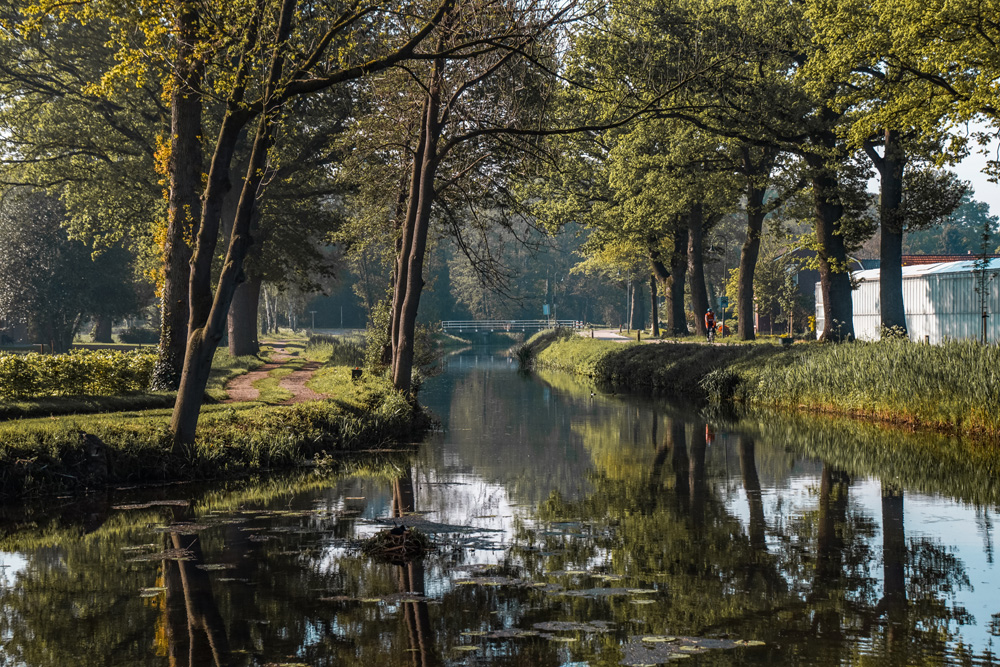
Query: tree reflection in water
x,y
806,554
416,614
196,633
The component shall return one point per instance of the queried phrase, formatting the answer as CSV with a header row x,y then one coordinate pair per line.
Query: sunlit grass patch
x,y
52,454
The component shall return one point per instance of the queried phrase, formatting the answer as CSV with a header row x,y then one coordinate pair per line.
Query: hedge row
x,y
80,372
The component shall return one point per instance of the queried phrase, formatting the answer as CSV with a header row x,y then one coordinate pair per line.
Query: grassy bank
x,y
224,368
53,454
954,387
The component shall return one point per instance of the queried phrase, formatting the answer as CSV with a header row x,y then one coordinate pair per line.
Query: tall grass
x,y
336,350
955,385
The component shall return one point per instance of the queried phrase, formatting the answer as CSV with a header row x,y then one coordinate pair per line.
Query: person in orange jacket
x,y
710,324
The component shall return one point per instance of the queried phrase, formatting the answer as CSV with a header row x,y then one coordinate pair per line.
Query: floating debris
x,y
574,626
153,503
212,567
151,592
594,592
660,649
396,545
183,528
170,554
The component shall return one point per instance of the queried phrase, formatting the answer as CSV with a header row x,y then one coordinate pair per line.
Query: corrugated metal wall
x,y
939,306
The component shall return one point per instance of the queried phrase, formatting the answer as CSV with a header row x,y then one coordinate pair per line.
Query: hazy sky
x,y
970,170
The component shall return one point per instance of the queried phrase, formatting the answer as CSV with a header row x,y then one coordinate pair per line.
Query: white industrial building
x,y
940,301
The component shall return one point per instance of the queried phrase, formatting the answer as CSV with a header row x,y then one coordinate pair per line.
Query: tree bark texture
x,y
696,267
835,280
676,315
208,325
242,321
890,168
184,205
756,175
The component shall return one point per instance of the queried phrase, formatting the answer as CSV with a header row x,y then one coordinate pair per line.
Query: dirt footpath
x,y
240,389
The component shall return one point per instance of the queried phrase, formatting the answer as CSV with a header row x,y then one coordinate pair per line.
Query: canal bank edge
x,y
72,454
953,387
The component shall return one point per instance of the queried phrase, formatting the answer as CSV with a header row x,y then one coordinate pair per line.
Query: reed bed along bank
x,y
953,387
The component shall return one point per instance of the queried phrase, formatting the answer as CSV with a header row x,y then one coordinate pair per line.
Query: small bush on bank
x,y
139,336
79,372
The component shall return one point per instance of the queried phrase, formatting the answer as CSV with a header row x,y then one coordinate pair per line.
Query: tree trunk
x,y
405,243
890,168
184,204
835,280
243,340
748,262
207,326
631,305
102,329
757,174
676,315
410,280
654,306
696,267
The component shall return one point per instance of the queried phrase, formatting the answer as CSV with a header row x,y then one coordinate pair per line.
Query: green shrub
x,y
77,373
139,336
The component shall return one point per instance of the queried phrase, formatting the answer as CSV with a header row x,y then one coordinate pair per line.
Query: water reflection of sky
x,y
966,531
509,447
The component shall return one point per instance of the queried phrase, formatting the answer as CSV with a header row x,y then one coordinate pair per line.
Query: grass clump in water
x,y
396,545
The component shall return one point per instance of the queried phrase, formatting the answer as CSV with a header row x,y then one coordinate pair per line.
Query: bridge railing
x,y
463,326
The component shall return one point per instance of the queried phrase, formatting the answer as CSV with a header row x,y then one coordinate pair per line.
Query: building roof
x,y
911,260
918,270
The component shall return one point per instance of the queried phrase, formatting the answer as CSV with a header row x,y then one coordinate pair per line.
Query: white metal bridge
x,y
523,326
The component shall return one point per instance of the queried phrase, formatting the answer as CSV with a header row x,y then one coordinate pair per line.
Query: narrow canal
x,y
572,527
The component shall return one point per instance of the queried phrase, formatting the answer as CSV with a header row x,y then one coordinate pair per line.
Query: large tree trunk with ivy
x,y
890,167
696,267
676,314
184,203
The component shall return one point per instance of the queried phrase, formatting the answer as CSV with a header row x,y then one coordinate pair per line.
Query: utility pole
x,y
313,313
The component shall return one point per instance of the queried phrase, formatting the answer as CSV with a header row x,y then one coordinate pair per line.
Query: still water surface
x,y
572,528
